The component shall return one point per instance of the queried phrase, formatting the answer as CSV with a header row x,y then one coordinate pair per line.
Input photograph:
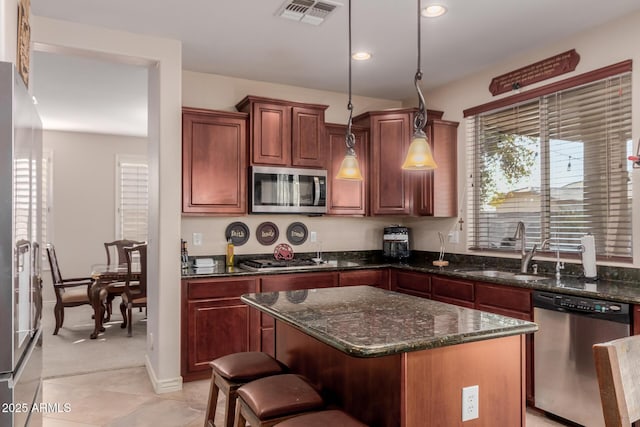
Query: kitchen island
x,y
396,360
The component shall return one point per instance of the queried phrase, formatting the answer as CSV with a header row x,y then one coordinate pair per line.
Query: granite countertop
x,y
613,290
364,321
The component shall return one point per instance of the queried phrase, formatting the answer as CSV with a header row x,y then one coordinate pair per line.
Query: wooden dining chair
x,y
618,368
116,256
69,292
135,289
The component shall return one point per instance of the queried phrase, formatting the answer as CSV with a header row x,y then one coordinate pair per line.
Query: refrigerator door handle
x,y
27,356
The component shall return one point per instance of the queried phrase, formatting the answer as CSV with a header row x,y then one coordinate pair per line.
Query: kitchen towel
x,y
589,256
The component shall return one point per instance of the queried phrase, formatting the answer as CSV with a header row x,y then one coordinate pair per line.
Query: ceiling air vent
x,y
313,12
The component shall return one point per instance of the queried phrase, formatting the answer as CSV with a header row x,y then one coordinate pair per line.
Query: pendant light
x,y
349,169
419,156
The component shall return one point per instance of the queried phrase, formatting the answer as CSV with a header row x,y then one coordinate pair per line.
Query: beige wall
x,y
83,194
222,93
598,48
9,32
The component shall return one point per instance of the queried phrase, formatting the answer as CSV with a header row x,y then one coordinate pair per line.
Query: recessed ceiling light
x,y
433,11
361,56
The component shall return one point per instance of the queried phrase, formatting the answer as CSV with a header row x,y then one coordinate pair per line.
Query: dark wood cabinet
x,y
375,277
636,320
345,197
215,323
437,190
390,135
293,283
284,133
412,283
214,162
453,291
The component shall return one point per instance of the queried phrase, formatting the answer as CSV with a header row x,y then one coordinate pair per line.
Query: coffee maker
x,y
395,242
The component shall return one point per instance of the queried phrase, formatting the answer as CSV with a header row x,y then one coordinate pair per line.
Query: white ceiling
x,y
245,38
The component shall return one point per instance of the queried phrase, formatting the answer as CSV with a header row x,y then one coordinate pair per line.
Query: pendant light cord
x,y
350,138
420,119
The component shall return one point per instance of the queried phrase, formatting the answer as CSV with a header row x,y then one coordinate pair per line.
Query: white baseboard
x,y
162,386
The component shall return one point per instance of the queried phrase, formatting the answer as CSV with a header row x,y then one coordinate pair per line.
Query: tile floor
x,y
125,398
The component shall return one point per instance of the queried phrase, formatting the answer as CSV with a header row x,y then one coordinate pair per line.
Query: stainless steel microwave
x,y
288,190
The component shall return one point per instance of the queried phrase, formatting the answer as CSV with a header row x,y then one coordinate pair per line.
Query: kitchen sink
x,y
507,275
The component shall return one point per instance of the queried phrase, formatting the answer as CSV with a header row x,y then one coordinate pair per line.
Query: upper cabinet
x,y
437,191
214,162
345,197
390,188
284,133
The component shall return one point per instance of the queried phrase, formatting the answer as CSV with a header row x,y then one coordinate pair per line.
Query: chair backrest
x,y
618,368
115,250
137,253
53,263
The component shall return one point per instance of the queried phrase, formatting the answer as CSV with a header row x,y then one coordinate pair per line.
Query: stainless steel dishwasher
x,y
565,376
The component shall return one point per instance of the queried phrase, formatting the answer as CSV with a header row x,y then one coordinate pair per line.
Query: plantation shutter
x,y
133,203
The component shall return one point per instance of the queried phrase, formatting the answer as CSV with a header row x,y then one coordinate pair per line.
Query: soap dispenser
x,y
230,255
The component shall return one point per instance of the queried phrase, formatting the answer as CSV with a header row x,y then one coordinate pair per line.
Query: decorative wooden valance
x,y
547,68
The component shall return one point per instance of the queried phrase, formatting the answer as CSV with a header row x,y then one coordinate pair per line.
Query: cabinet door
x,y
636,320
271,134
452,291
288,282
214,162
391,188
437,191
307,137
412,283
215,323
378,278
345,197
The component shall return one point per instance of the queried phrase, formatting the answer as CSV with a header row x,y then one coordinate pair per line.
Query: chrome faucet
x,y
526,256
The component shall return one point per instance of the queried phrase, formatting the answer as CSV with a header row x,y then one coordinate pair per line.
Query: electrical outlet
x,y
313,236
197,239
454,236
470,401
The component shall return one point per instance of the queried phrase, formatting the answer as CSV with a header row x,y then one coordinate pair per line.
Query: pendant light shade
x,y
349,169
419,157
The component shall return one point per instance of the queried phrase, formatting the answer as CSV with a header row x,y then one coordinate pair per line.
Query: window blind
x,y
558,163
22,198
133,200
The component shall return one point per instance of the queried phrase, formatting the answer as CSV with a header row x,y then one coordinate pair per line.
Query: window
x,y
132,198
559,163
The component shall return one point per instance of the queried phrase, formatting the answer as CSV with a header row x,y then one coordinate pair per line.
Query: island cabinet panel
x,y
437,190
459,292
289,282
285,133
377,277
412,283
390,135
214,162
636,319
345,197
215,323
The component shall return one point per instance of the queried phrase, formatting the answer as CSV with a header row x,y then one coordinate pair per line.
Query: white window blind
x,y
133,199
558,163
22,197
47,201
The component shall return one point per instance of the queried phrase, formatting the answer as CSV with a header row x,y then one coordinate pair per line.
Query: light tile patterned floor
x,y
125,398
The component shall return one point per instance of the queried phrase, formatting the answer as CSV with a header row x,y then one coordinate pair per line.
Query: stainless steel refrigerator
x,y
20,231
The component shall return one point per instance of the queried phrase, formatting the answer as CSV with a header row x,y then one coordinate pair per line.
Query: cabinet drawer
x,y
503,297
223,288
290,282
379,278
453,289
410,281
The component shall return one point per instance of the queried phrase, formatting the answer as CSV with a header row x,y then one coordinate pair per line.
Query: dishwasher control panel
x,y
587,304
578,304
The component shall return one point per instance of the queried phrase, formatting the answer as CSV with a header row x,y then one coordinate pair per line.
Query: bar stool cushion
x,y
332,417
246,366
278,395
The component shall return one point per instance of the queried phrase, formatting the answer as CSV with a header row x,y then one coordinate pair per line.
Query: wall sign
x,y
238,232
297,233
267,233
547,68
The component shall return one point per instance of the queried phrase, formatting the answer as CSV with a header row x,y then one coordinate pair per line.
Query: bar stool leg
x,y
213,402
240,420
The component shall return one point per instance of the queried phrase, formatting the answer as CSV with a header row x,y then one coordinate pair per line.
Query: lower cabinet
x,y
375,277
293,283
215,323
412,283
452,291
636,320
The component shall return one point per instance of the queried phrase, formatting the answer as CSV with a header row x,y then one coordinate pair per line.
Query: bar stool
x,y
268,401
333,417
232,371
